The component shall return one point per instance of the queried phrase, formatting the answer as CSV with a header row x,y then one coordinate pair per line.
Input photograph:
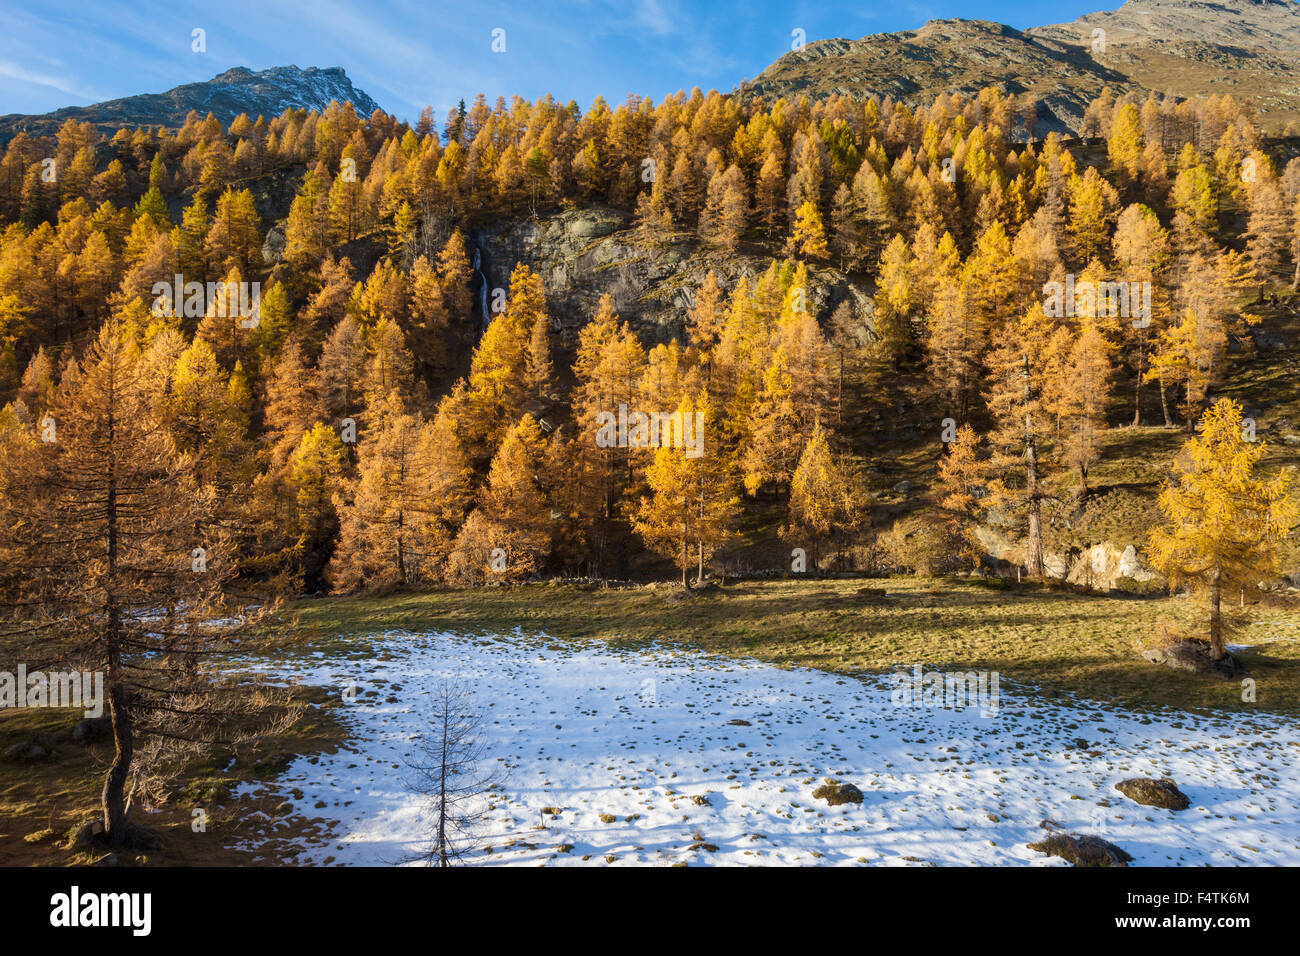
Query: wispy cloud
x,y
652,15
408,53
57,82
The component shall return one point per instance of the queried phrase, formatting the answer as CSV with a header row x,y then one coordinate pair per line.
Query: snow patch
x,y
622,743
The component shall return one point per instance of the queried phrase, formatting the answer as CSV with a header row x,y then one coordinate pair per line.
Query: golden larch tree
x,y
692,501
114,560
828,499
1227,524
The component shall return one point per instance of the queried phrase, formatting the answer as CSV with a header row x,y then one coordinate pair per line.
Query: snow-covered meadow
x,y
622,743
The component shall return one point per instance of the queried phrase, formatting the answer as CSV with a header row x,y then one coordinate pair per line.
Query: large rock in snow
x,y
1151,792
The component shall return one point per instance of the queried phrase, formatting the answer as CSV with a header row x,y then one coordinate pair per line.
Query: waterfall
x,y
482,288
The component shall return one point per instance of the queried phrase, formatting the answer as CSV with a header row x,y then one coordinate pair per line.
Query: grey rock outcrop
x,y
583,254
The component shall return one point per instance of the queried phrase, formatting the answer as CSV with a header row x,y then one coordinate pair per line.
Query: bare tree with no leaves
x,y
449,769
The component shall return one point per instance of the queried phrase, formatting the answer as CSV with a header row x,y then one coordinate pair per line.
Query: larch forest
x,y
340,445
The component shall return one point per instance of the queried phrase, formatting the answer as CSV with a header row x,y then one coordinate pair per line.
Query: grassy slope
x,y
42,802
1059,640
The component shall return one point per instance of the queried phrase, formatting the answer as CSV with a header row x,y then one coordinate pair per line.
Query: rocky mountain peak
x,y
237,90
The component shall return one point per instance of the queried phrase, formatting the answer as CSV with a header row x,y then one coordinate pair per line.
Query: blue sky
x,y
407,53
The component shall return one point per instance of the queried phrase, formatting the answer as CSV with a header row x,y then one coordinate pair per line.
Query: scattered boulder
x,y
1265,339
1192,656
1083,850
1151,792
1002,549
27,752
92,729
87,835
91,836
701,800
903,488
1107,567
836,793
681,594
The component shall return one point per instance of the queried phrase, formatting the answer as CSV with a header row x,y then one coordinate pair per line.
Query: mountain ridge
x,y
236,90
1250,48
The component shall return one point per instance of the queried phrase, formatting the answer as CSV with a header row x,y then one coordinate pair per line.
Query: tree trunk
x,y
684,558
114,794
1034,539
113,798
1216,620
1164,406
1083,457
839,394
401,556
699,575
1137,391
442,788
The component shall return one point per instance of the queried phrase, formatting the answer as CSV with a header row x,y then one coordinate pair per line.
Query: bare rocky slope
x,y
1249,48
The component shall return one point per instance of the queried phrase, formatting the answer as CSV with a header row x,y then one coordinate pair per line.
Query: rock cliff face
x,y
1185,47
1101,567
584,254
